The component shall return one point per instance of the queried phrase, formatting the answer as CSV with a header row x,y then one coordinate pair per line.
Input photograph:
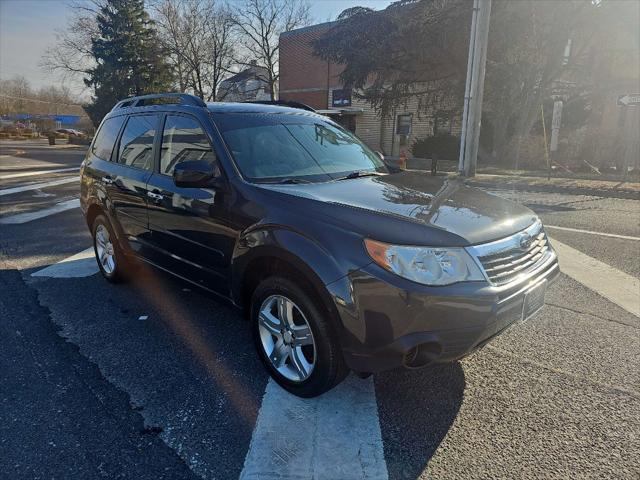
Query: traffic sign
x,y
629,100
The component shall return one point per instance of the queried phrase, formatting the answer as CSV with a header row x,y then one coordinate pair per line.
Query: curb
x,y
590,191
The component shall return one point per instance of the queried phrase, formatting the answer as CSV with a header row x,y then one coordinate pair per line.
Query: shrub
x,y
446,147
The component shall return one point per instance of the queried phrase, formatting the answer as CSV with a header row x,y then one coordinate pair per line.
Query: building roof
x,y
310,28
245,74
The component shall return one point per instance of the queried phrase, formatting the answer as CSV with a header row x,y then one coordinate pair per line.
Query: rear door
x,y
189,227
126,183
99,167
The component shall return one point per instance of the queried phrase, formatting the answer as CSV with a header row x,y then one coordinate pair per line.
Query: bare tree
x,y
223,45
198,36
71,56
260,23
17,96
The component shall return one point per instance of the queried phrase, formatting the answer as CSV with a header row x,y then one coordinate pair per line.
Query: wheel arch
x,y
93,211
287,253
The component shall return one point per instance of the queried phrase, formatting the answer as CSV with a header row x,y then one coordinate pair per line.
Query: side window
x,y
106,138
183,139
442,124
136,143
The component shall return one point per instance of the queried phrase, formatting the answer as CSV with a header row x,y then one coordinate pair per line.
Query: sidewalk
x,y
601,188
531,183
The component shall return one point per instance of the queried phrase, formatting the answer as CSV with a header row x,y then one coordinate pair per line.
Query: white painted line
x,y
616,286
19,166
38,186
81,264
591,232
30,216
334,436
37,172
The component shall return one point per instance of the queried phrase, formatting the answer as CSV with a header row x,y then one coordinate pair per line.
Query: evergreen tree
x,y
129,59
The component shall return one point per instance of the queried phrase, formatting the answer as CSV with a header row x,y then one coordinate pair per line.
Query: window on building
x,y
442,124
106,137
403,124
136,143
183,139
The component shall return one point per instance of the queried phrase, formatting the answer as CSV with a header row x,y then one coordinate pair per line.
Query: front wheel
x,y
295,339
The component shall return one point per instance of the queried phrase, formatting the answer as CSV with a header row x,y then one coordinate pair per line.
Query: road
x,y
155,380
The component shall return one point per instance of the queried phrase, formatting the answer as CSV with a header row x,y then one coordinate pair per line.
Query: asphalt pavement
x,y
153,379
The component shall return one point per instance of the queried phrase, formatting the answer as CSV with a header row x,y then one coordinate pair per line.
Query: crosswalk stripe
x,y
616,286
38,186
45,212
591,232
20,166
37,172
334,436
81,264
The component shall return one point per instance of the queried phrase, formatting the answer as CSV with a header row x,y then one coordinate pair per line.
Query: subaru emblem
x,y
525,241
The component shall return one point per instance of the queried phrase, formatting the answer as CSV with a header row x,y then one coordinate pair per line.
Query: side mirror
x,y
380,154
195,173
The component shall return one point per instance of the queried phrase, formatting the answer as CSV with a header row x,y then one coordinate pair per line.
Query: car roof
x,y
216,108
228,107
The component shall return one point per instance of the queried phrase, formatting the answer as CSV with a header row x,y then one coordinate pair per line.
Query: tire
x,y
321,352
104,238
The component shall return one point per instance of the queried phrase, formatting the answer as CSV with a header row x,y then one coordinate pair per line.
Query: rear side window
x,y
136,143
106,138
183,139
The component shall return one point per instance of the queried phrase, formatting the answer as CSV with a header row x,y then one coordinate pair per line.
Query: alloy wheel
x,y
286,338
105,250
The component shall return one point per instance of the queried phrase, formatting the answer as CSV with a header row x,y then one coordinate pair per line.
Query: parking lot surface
x,y
153,379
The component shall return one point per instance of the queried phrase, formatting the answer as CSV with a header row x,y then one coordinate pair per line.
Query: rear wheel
x,y
295,339
109,256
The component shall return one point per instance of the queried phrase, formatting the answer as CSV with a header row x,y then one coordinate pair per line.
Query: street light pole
x,y
474,86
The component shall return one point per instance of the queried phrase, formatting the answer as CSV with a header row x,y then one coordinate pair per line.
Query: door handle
x,y
107,180
155,196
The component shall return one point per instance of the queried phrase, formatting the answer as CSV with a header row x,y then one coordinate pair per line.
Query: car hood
x,y
441,203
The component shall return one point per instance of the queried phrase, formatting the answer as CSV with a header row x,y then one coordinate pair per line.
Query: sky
x,y
27,28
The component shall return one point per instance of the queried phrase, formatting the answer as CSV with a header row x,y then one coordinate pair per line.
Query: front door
x,y
188,226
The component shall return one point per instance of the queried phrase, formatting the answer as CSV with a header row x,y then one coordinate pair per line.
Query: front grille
x,y
506,260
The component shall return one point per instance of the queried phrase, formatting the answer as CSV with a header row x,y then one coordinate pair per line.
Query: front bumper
x,y
390,322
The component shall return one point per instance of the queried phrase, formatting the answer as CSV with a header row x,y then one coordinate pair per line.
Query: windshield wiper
x,y
358,174
291,181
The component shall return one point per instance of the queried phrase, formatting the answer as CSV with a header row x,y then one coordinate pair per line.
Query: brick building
x,y
308,79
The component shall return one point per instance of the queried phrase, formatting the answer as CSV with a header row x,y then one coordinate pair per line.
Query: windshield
x,y
276,148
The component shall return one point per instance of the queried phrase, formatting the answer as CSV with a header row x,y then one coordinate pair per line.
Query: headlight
x,y
426,265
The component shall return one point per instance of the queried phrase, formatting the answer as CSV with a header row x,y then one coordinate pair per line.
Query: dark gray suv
x,y
340,261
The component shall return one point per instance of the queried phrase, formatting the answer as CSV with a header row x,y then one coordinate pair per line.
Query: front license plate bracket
x,y
533,300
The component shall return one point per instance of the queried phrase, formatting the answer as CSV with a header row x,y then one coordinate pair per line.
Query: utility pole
x,y
472,113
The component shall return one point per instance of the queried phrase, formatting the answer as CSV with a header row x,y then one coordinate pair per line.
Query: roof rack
x,y
142,100
284,103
